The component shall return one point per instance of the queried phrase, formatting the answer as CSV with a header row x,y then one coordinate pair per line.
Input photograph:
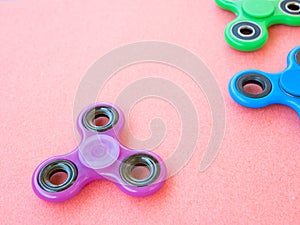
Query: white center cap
x,y
99,151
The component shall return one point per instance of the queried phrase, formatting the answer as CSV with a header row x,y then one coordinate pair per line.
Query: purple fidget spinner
x,y
99,156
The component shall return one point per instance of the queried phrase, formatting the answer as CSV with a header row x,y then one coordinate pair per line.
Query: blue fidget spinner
x,y
279,88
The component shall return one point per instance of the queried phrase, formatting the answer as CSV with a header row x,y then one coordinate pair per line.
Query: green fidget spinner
x,y
249,31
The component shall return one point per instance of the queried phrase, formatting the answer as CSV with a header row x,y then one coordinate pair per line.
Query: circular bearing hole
x,y
140,172
293,7
246,31
101,120
253,88
254,85
58,178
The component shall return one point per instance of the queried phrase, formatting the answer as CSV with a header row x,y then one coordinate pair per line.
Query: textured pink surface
x,y
47,46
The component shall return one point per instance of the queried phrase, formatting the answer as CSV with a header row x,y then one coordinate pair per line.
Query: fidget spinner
x,y
249,31
99,156
280,88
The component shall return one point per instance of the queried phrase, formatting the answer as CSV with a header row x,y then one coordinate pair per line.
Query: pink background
x,y
46,48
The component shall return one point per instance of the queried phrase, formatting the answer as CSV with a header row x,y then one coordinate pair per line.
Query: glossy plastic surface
x,y
249,31
280,88
99,156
